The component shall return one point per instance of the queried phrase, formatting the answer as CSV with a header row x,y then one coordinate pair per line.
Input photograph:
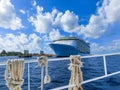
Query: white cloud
x,y
8,18
69,22
22,11
47,21
42,22
113,46
106,15
54,34
96,48
20,42
112,10
46,39
34,3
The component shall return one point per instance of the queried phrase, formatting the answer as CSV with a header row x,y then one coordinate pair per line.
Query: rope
x,y
43,61
76,73
14,74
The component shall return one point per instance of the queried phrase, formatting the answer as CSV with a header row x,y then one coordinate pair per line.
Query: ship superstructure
x,y
67,46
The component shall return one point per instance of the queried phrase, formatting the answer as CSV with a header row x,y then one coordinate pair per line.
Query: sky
x,y
33,24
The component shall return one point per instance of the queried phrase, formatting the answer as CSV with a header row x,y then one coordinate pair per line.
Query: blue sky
x,y
33,24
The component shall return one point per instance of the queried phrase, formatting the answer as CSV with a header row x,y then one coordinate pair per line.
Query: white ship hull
x,y
67,47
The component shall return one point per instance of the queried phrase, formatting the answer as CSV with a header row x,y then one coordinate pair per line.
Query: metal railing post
x,y
28,76
42,78
105,66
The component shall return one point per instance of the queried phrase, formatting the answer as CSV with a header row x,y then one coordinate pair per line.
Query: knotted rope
x,y
43,61
76,73
14,74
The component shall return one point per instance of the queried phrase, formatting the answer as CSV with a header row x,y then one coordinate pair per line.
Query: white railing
x,y
67,58
97,78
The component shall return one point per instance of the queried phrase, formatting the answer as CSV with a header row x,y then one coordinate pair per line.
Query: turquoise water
x,y
58,70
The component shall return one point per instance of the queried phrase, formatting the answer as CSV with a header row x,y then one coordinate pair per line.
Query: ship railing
x,y
67,58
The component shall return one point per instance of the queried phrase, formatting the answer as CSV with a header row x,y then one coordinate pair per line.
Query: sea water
x,y
60,75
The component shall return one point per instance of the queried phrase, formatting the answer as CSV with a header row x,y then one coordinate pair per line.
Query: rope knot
x,y
14,74
15,84
75,62
76,73
42,61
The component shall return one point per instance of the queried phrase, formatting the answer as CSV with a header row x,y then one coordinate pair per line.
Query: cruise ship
x,y
67,46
